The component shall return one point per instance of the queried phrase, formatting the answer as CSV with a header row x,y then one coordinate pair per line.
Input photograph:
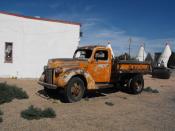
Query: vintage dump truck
x,y
90,67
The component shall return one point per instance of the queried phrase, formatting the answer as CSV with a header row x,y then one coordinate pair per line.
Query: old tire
x,y
74,90
161,73
136,84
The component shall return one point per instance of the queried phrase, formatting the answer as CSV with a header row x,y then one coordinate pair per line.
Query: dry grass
x,y
145,112
109,103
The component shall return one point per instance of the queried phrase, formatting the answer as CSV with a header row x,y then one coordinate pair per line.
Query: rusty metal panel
x,y
100,70
64,78
133,67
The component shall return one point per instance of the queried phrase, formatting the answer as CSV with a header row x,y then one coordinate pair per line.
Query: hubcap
x,y
137,85
75,90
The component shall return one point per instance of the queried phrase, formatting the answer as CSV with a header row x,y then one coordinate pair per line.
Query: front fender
x,y
64,78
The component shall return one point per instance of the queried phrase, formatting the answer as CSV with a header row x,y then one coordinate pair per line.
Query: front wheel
x,y
136,84
74,90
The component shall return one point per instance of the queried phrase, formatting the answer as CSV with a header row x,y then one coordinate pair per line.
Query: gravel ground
x,y
106,111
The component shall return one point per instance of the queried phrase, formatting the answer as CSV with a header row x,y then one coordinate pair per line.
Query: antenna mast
x,y
130,40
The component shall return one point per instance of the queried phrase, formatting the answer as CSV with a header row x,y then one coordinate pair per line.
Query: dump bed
x,y
132,66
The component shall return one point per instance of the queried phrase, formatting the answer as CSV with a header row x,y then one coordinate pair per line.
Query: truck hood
x,y
65,63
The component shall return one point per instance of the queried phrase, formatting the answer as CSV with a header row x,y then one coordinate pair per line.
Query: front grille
x,y
49,76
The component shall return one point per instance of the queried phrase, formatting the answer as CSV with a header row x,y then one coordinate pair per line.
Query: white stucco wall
x,y
34,42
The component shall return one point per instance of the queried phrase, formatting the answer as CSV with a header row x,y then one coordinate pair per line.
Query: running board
x,y
103,85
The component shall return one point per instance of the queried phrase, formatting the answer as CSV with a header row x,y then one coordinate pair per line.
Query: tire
x,y
161,73
136,84
74,90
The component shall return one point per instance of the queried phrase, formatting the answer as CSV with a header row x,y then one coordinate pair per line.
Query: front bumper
x,y
50,86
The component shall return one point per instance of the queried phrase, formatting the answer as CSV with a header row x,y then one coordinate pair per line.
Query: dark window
x,y
81,34
101,55
83,54
8,52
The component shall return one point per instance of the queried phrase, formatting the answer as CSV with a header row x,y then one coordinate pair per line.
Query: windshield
x,y
83,54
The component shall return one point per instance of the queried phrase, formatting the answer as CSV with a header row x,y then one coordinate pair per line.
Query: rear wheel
x,y
136,84
74,90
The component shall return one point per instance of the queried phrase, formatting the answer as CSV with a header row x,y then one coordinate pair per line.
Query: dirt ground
x,y
144,112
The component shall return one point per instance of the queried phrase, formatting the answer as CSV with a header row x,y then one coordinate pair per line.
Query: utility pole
x,y
143,44
130,40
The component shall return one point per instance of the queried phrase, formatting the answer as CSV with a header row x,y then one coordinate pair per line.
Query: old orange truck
x,y
90,67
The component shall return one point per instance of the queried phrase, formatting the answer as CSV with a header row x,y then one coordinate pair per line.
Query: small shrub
x,y
37,113
9,92
1,113
1,120
109,103
48,113
149,89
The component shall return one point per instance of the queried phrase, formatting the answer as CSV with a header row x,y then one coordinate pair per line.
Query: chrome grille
x,y
49,76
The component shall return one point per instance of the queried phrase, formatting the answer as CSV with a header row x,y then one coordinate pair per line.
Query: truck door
x,y
101,66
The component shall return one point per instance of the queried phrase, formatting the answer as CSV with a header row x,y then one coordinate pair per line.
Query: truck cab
x,y
89,67
99,62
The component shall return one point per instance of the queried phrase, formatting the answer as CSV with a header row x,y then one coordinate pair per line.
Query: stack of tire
x,y
161,72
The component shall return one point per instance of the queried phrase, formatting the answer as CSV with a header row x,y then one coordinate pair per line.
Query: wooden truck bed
x,y
131,66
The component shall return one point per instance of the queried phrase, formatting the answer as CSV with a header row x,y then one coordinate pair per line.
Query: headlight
x,y
58,70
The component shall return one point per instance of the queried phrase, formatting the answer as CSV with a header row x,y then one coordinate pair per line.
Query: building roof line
x,y
42,19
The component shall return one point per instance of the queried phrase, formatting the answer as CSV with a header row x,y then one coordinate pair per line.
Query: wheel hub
x,y
137,85
75,90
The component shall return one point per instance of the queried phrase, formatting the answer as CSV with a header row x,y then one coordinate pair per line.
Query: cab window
x,y
83,54
101,55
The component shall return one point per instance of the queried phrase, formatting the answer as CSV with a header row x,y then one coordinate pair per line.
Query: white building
x,y
26,43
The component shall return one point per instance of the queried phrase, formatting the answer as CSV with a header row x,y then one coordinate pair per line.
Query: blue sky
x,y
148,21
